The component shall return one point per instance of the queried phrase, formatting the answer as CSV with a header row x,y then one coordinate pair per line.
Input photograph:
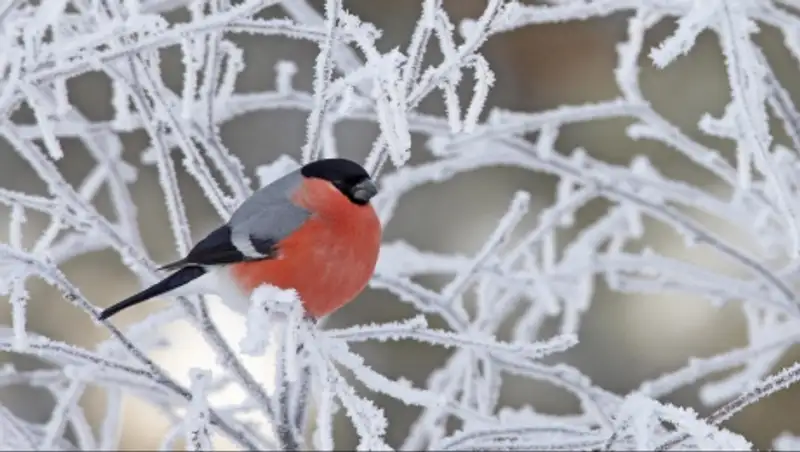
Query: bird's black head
x,y
346,175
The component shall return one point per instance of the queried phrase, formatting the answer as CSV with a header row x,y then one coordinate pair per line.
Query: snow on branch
x,y
522,275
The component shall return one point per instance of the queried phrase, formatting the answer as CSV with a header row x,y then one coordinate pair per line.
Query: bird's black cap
x,y
346,175
336,169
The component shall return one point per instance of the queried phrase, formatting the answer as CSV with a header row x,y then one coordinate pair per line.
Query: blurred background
x,y
624,339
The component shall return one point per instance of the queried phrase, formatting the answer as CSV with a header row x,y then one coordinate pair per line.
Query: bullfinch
x,y
312,230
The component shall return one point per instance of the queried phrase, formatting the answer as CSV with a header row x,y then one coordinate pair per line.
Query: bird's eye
x,y
340,185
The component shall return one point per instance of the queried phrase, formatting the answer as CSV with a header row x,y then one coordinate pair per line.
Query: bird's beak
x,y
364,190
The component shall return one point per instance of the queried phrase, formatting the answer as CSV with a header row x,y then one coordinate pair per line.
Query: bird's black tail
x,y
173,281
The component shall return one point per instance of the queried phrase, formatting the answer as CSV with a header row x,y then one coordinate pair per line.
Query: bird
x,y
312,230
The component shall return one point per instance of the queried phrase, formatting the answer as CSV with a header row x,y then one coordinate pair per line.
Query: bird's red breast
x,y
329,259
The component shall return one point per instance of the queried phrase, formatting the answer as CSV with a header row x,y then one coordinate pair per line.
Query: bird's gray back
x,y
269,213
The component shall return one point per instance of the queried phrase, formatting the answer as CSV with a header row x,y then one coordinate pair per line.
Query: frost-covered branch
x,y
520,276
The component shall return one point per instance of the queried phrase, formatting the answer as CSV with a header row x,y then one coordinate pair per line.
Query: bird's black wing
x,y
255,228
217,248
